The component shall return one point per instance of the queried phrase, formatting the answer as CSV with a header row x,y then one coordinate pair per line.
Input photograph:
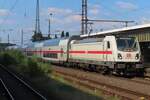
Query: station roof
x,y
119,30
6,44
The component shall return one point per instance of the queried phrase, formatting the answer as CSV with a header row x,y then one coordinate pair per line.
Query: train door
x,y
63,54
106,50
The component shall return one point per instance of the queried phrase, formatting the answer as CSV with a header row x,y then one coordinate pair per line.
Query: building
x,y
5,45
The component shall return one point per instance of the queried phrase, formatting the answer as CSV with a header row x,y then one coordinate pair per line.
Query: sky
x,y
16,15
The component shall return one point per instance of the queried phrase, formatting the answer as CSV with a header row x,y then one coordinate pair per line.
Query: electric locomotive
x,y
109,54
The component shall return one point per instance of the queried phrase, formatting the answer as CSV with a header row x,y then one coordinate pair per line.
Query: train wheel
x,y
105,70
140,72
92,68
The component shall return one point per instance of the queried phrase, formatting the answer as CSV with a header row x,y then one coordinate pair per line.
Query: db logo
x,y
128,55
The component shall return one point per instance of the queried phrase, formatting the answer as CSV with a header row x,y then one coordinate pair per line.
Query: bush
x,y
46,68
34,69
11,57
24,65
17,55
6,59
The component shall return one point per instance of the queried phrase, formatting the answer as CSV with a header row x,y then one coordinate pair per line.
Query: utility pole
x,y
49,26
8,38
22,37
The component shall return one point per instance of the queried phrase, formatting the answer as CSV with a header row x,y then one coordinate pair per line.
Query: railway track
x,y
95,84
5,93
134,79
16,88
141,81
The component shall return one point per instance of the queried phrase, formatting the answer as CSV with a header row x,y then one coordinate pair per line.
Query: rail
x,y
23,82
6,89
114,90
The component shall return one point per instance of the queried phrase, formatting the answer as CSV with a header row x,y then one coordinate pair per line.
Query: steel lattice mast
x,y
84,20
37,25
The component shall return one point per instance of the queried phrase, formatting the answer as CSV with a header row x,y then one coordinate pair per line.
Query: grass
x,y
40,75
95,93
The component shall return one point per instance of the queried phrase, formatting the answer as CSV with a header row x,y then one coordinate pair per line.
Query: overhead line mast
x,y
37,25
37,33
85,21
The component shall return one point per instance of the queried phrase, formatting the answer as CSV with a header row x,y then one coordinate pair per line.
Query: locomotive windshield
x,y
127,44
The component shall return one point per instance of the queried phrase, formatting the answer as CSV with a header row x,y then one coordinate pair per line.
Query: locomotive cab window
x,y
125,44
108,44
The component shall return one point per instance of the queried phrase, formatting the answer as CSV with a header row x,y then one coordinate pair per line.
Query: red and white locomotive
x,y
119,55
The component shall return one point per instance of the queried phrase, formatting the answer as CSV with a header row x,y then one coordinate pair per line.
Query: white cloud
x,y
126,5
61,15
73,18
59,10
4,12
70,20
62,18
29,29
106,26
94,9
144,20
8,21
67,22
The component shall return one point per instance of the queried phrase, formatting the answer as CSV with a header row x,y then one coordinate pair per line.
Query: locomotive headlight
x,y
137,56
119,56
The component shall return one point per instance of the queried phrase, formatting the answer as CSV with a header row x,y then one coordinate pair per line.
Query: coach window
x,y
108,45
